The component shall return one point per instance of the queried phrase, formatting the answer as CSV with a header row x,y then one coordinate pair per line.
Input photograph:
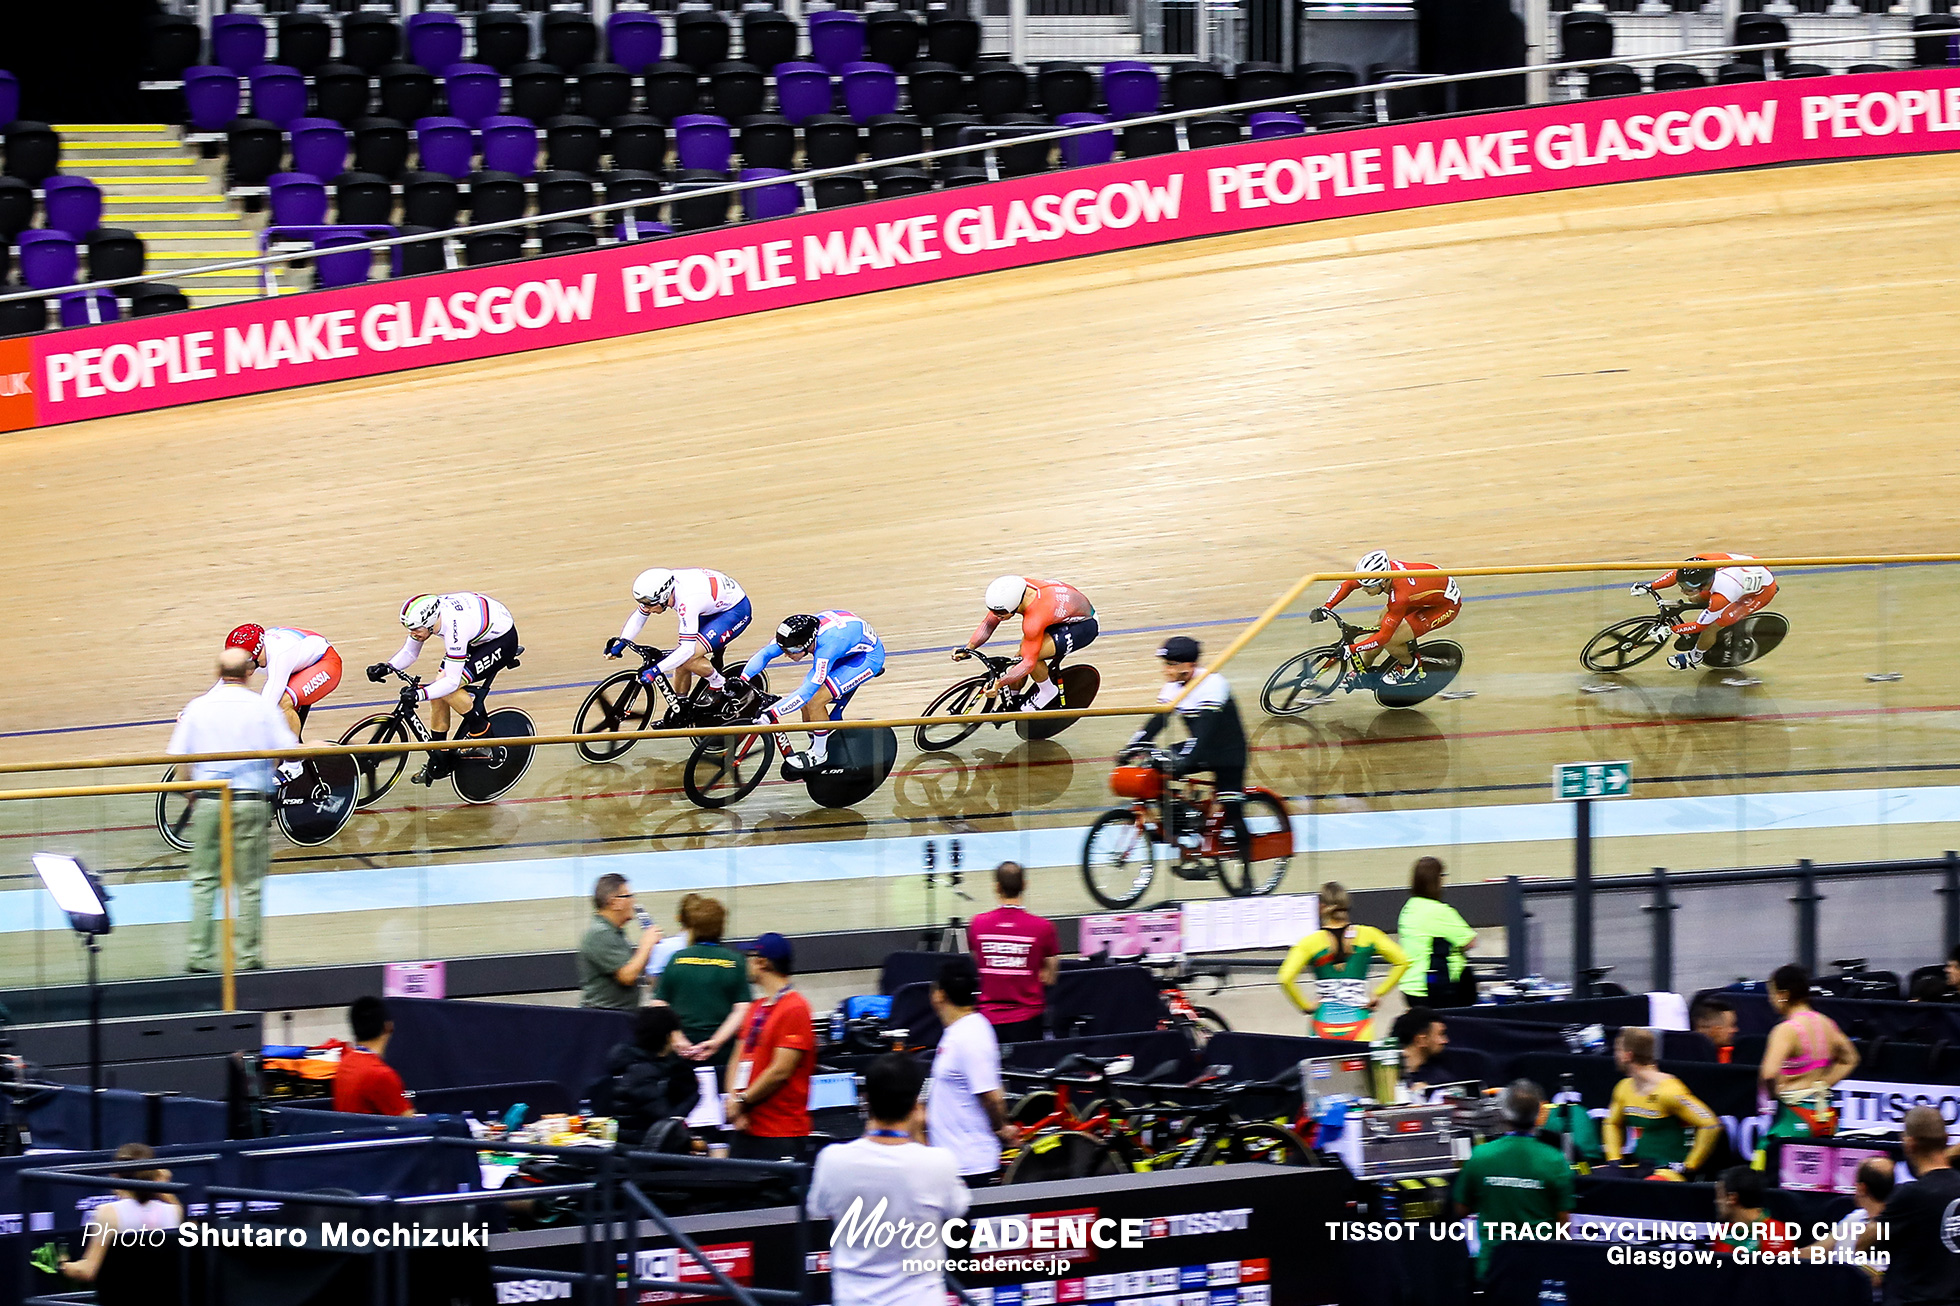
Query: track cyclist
x,y
844,652
1337,957
479,639
1416,606
1725,596
300,667
1056,620
1217,742
711,608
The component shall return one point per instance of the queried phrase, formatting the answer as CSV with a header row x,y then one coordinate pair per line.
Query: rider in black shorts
x,y
1217,742
479,639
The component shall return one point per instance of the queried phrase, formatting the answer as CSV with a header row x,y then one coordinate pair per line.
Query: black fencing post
x,y
1806,902
1582,900
1950,891
1517,962
1662,909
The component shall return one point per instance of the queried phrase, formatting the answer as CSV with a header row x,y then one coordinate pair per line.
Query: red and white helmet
x,y
250,637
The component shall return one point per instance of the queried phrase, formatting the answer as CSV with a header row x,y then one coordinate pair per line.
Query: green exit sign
x,y
1592,779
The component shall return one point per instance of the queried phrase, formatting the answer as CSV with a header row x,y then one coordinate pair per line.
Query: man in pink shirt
x,y
1019,958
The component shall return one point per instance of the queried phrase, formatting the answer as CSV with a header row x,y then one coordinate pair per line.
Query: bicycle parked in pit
x,y
981,693
1119,858
1628,643
624,701
1311,678
483,773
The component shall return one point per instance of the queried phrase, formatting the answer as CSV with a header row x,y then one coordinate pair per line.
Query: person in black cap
x,y
1217,742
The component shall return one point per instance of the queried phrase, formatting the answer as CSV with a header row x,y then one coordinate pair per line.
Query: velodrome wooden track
x,y
1761,361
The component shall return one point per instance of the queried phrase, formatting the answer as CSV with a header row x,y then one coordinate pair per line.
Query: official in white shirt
x,y
230,718
966,1111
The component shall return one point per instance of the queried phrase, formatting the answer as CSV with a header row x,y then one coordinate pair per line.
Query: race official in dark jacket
x,y
1217,742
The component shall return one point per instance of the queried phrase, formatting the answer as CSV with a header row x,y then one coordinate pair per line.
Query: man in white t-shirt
x,y
887,1178
966,1112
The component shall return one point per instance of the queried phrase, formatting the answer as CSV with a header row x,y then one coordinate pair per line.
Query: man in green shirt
x,y
609,968
707,985
1515,1181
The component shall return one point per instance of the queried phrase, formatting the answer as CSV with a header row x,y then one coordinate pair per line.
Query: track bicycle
x,y
1311,678
1630,642
1119,858
309,809
483,773
624,701
983,693
725,769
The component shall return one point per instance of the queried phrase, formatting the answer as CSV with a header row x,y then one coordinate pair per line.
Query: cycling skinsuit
x,y
1806,1113
848,653
299,665
1665,1119
1058,612
1425,603
479,639
1732,595
1341,981
711,608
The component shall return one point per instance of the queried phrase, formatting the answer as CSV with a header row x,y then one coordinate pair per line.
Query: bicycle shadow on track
x,y
1035,774
1399,751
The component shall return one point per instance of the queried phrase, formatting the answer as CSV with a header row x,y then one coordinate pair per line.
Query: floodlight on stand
x,y
75,891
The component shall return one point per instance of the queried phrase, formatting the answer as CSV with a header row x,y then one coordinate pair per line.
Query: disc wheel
x,y
619,702
317,806
1271,828
174,815
1302,681
1259,1143
379,771
956,700
725,769
1440,660
1749,639
1621,645
486,779
1061,1154
1080,685
1118,859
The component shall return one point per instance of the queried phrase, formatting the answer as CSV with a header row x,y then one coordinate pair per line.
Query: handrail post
x,y
227,814
1806,901
1582,898
1517,923
1950,891
1662,908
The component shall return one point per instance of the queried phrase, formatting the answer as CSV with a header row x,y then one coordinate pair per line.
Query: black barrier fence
x,y
1685,930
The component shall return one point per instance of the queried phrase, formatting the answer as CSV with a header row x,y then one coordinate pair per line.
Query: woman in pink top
x,y
1806,1054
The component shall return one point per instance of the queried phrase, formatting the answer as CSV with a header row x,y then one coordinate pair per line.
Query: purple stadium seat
x,y
9,97
510,145
1090,147
475,92
836,38
319,147
444,145
211,94
278,94
803,90
769,201
1276,124
870,89
702,141
1130,88
47,259
330,270
88,307
435,40
298,199
238,42
634,40
73,204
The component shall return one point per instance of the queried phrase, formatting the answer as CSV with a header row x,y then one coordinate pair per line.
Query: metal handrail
x,y
928,156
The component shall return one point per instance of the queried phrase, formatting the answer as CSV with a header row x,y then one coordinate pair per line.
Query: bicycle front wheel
x,y
725,769
957,700
379,771
1258,1142
619,702
1621,645
1119,858
174,815
1301,681
1061,1154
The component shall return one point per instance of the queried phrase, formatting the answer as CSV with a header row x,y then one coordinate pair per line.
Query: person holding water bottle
x,y
609,967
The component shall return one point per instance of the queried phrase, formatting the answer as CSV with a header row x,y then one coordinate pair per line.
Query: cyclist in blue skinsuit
x,y
844,651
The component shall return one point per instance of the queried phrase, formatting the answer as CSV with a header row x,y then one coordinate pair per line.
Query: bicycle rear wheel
x,y
1302,681
619,702
1271,828
1259,1142
174,815
379,771
1061,1154
1440,660
488,778
1621,645
956,700
1119,858
725,769
317,806
1749,639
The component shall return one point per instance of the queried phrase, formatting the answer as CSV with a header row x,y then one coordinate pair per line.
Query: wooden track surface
x,y
1759,361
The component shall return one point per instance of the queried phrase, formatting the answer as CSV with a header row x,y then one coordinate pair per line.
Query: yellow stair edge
x,y
155,144
160,128
156,181
173,217
173,199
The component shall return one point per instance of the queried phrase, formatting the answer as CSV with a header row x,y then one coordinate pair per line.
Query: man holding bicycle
x,y
1725,596
479,639
1056,620
711,610
1416,606
844,653
1217,743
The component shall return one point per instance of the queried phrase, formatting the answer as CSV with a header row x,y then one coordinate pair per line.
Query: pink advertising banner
x,y
619,290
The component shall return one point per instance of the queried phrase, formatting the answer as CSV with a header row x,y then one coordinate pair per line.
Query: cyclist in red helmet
x,y
300,667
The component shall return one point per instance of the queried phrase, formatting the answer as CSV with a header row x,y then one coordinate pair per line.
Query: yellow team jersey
x,y
1664,1119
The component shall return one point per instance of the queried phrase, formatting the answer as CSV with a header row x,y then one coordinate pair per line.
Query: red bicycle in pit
x,y
1119,858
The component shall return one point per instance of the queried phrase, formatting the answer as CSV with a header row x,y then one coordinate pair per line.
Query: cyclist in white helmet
x,y
479,639
1056,619
712,610
1416,606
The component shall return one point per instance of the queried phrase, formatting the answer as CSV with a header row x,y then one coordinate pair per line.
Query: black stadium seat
x,y
418,256
638,143
16,207
492,247
605,91
1198,86
893,37
570,41
370,41
114,253
19,317
691,214
1261,81
341,92
935,89
503,40
537,91
700,38
1584,36
407,92
894,136
1140,140
832,192
1217,129
627,184
34,151
735,91
566,192
894,182
154,297
1000,89
253,149
1065,88
567,237
380,147
672,89
175,43
1932,51
768,38
830,141
767,141
574,143
1612,79
1677,77
1762,29
955,41
431,199
496,197
1324,76
305,41
362,199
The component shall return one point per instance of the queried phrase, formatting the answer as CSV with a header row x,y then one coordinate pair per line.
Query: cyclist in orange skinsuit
x,y
1416,606
1056,619
1725,596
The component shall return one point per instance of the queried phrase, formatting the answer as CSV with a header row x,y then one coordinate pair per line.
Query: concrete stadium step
x,y
1082,38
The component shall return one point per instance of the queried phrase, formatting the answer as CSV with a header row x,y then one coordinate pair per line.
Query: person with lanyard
x,y
1805,1056
1660,1109
1516,1182
890,1174
1338,956
769,1079
366,1084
